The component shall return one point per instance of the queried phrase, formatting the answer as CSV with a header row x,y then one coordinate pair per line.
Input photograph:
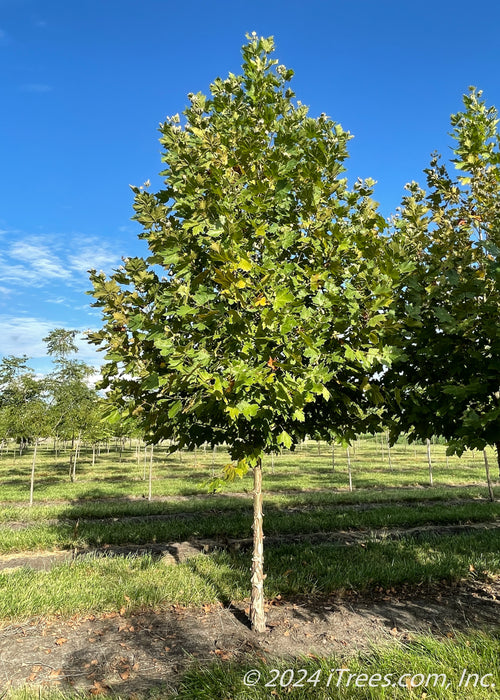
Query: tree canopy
x,y
260,312
446,380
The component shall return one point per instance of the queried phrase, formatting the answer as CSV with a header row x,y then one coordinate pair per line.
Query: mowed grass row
x,y
426,666
100,584
237,524
220,502
184,473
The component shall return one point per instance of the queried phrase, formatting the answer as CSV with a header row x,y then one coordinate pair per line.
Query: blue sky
x,y
85,84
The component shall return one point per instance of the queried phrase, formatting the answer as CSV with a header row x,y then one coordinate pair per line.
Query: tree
x,y
61,342
73,400
260,313
446,380
23,404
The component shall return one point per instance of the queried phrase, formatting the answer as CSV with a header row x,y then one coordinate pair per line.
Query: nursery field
x,y
132,579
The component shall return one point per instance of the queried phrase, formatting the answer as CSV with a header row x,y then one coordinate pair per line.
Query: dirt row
x,y
130,653
176,552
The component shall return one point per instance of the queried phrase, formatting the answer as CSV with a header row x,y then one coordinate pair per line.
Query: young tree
x,y
61,343
73,400
23,404
260,313
446,381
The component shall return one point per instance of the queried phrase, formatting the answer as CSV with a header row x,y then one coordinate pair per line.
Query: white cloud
x,y
23,336
40,261
46,277
58,300
92,256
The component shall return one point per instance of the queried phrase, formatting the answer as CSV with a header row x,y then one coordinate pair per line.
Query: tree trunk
x,y
497,445
333,457
257,614
488,479
32,482
428,443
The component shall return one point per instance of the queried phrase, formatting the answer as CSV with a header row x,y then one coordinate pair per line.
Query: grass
x,y
103,584
182,473
237,524
201,503
435,666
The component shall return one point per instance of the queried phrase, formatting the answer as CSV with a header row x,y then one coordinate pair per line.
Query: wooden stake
x,y
32,482
428,443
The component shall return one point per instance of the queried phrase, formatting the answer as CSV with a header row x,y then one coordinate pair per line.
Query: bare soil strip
x,y
130,653
176,552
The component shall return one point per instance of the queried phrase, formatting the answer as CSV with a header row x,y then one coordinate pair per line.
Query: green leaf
x,y
285,439
283,297
174,409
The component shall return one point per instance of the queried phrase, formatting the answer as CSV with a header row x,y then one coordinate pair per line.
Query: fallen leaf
x,y
60,641
124,675
55,673
224,655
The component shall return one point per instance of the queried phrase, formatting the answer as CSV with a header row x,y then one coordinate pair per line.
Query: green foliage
x,y
23,404
74,406
61,342
446,380
261,311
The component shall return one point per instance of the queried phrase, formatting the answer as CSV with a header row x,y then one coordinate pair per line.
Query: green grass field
x,y
107,505
182,474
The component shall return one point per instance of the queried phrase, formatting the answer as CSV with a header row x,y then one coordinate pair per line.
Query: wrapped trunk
x,y
257,614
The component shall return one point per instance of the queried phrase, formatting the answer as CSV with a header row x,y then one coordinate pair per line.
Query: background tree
x,y
61,343
23,403
260,313
446,380
73,399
